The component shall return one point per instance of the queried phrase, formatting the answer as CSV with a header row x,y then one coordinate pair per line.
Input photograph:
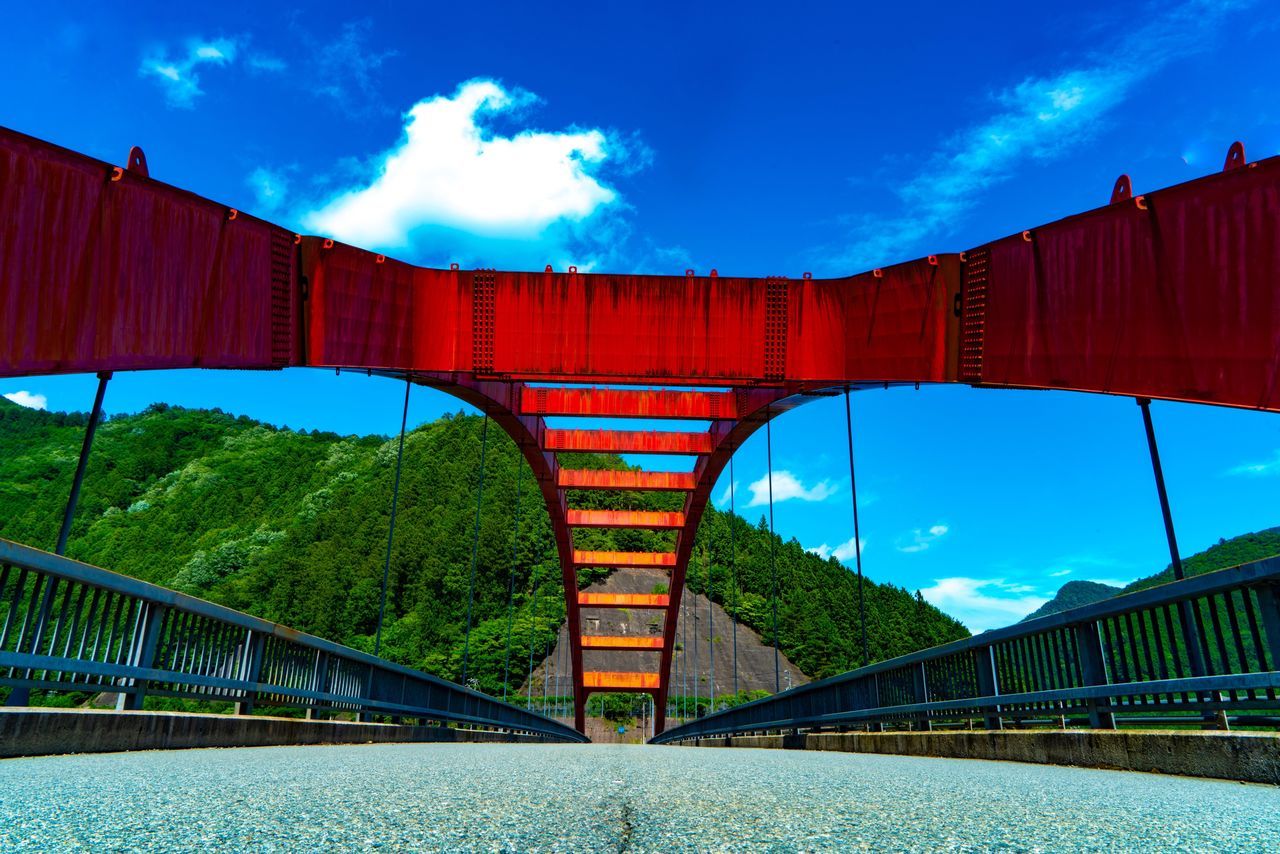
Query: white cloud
x,y
843,552
1266,468
983,604
27,399
787,486
270,186
730,490
1036,119
919,539
1059,573
179,76
454,189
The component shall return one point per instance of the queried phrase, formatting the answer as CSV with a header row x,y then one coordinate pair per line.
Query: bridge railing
x,y
1201,651
69,626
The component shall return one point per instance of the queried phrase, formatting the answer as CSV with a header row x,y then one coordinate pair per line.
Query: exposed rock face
x,y
691,667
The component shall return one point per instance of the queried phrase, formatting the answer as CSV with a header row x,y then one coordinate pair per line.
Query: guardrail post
x,y
21,694
143,653
255,644
875,725
1093,669
984,665
1269,609
320,682
922,696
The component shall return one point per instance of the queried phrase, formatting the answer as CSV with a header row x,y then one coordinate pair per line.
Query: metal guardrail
x,y
69,626
1187,651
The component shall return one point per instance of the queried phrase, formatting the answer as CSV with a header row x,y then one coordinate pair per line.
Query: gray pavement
x,y
609,798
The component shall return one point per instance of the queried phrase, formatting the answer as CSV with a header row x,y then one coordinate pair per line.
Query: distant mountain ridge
x,y
1226,552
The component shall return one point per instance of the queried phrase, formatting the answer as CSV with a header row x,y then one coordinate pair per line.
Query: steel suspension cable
x,y
475,547
684,655
693,612
533,635
733,571
857,534
546,654
773,560
711,638
391,531
511,580
549,671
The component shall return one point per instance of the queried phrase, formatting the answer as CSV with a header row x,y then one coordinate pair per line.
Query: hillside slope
x,y
1226,552
292,526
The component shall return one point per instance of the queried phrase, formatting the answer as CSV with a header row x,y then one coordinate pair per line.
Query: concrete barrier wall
x,y
1247,756
40,732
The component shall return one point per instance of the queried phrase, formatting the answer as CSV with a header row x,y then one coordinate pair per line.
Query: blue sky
x,y
755,139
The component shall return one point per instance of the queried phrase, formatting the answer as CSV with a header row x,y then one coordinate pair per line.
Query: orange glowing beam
x,y
624,519
623,559
670,481
621,642
609,680
623,600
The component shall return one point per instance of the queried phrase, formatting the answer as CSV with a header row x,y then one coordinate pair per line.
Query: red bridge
x,y
1174,294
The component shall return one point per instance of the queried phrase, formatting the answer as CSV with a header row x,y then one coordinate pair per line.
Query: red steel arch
x,y
1173,295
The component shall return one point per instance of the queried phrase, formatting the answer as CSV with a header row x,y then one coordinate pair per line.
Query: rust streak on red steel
x,y
619,681
624,559
628,442
671,481
630,403
621,642
625,519
623,600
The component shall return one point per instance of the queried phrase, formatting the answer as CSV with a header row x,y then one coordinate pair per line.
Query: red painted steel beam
x,y
668,481
630,403
621,642
1174,294
627,441
624,559
606,680
625,519
623,600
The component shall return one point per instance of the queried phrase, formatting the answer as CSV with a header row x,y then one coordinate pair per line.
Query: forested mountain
x,y
292,526
1233,552
1074,594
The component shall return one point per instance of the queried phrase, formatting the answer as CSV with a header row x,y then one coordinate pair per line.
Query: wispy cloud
x,y
28,399
844,552
454,189
265,62
179,75
786,486
271,188
1059,573
983,604
919,539
730,491
1036,119
346,69
1264,468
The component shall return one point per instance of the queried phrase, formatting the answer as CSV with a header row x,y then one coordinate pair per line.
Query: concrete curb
x,y
43,732
1246,756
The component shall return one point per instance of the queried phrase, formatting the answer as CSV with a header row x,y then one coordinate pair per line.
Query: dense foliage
x,y
292,526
